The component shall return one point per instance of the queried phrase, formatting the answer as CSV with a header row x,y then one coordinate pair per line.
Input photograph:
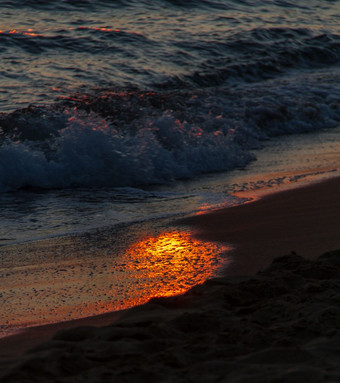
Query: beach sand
x,y
273,317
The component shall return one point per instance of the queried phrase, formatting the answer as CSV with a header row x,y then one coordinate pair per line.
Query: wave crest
x,y
89,152
133,138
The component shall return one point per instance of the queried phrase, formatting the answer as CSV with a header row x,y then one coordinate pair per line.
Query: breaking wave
x,y
134,138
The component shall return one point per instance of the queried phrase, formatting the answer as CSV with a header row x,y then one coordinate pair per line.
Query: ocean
x,y
119,112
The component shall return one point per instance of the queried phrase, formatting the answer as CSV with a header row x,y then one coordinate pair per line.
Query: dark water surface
x,y
49,48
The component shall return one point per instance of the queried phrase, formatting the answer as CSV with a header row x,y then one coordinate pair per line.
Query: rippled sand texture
x,y
280,325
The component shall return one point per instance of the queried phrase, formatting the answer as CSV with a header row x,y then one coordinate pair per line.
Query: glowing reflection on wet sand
x,y
170,264
44,292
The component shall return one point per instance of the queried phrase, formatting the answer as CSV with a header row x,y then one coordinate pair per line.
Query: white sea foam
x,y
210,132
90,153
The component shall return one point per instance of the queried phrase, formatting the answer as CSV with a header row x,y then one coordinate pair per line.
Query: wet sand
x,y
277,325
67,278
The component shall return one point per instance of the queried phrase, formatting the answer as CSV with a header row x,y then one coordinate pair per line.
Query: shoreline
x,y
303,220
318,233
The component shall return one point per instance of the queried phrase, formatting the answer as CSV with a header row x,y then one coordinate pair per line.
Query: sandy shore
x,y
281,324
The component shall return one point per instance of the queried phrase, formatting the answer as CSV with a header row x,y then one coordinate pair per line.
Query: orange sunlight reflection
x,y
170,264
32,33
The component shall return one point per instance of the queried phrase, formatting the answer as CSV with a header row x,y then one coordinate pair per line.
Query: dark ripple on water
x,y
54,48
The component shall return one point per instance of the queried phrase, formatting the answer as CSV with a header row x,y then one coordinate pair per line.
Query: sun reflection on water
x,y
170,264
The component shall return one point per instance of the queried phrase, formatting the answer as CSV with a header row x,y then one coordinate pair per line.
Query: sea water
x,y
102,101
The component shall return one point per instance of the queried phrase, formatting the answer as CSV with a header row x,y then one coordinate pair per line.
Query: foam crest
x,y
89,152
